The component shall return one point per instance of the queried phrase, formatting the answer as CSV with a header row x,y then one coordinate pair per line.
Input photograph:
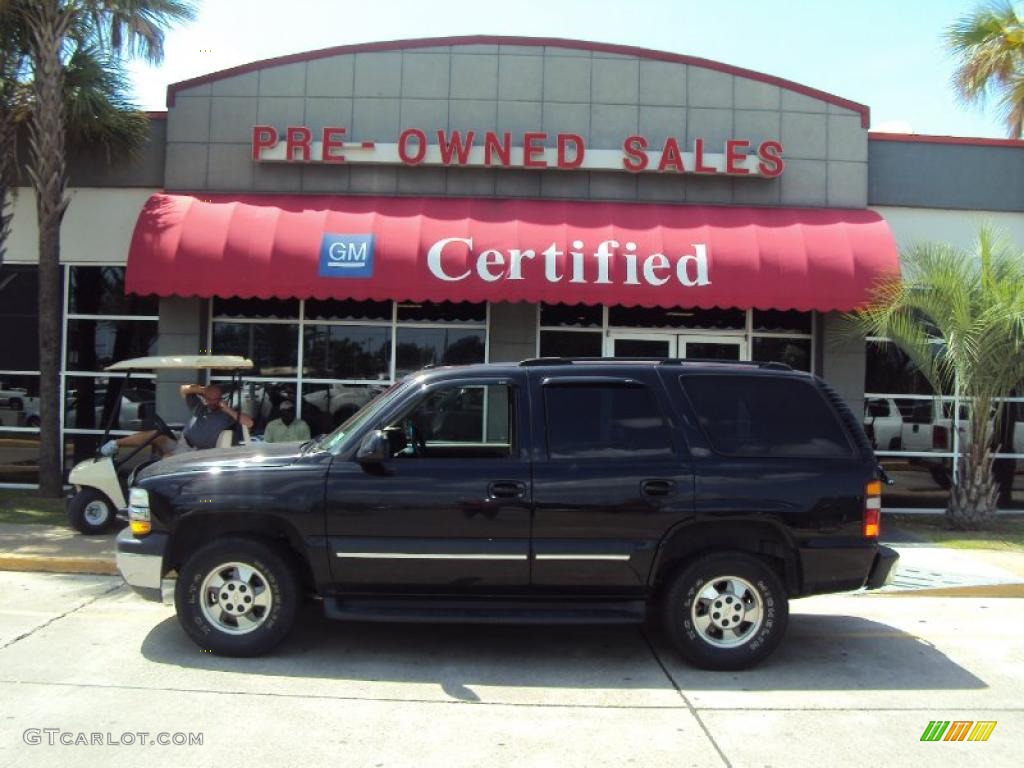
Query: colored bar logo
x,y
344,255
958,730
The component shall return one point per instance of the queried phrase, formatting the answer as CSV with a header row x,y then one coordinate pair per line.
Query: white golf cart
x,y
100,484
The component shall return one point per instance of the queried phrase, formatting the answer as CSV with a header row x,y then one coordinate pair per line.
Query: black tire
x,y
684,590
274,572
91,512
16,404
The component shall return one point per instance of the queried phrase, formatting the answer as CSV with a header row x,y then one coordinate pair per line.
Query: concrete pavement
x,y
855,682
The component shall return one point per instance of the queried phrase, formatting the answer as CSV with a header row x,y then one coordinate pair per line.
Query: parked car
x,y
17,407
549,491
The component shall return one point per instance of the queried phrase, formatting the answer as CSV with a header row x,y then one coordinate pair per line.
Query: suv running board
x,y
484,611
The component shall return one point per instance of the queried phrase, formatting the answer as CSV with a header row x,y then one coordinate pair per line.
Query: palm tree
x,y
958,314
989,46
56,30
13,96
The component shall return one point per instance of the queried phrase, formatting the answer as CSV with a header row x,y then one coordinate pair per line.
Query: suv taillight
x,y
872,508
940,438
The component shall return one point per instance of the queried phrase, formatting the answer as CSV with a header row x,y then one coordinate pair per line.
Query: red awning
x,y
460,249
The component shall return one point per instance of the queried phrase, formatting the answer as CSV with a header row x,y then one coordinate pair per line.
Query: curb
x,y
978,590
98,566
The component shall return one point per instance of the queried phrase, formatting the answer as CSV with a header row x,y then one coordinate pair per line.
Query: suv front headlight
x,y
138,511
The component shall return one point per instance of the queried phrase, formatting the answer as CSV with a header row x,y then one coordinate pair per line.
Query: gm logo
x,y
346,255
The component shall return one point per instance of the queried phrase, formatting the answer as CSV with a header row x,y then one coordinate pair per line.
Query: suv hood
x,y
238,457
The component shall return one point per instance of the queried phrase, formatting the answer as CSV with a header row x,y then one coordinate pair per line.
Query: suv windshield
x,y
336,438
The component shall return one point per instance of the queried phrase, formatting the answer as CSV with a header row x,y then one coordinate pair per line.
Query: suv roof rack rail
x,y
774,366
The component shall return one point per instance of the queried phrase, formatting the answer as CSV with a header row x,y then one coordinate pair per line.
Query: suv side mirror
x,y
375,449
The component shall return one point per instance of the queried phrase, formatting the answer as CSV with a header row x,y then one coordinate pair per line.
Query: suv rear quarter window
x,y
606,420
761,416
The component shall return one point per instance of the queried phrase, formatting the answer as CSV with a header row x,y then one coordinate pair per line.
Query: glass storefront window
x,y
570,344
272,347
781,321
89,402
327,406
19,318
677,317
19,400
919,482
796,353
420,347
92,345
890,371
347,352
571,315
335,309
442,312
19,457
282,309
100,291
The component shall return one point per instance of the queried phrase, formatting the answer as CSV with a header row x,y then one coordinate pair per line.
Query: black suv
x,y
553,490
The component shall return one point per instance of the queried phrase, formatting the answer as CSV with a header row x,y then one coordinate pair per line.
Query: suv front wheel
x,y
237,597
725,611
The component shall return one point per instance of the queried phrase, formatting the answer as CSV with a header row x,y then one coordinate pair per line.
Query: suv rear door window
x,y
604,420
763,416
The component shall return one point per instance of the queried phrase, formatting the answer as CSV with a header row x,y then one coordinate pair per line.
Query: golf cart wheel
x,y
237,597
725,611
91,512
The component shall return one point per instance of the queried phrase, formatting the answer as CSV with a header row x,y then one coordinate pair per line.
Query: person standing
x,y
286,428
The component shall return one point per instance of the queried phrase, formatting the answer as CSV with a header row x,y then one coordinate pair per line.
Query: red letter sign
x,y
733,156
297,137
403,146
531,149
455,147
771,164
565,139
331,143
671,156
636,158
263,137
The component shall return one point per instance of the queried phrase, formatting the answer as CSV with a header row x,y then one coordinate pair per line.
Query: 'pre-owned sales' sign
x,y
736,157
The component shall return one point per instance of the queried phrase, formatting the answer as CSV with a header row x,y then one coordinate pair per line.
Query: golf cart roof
x,y
195,362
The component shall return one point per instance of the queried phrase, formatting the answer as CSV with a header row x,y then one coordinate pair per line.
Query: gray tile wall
x,y
512,334
602,97
181,332
843,363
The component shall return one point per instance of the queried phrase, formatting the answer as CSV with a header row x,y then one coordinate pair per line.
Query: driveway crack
x,y
57,618
689,704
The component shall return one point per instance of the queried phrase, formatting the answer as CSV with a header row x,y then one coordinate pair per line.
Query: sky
x,y
887,54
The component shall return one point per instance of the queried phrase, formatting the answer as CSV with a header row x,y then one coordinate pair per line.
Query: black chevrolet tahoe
x,y
553,490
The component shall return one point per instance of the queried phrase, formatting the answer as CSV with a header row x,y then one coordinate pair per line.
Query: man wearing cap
x,y
286,428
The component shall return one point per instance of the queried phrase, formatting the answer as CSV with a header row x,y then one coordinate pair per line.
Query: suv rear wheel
x,y
725,611
237,597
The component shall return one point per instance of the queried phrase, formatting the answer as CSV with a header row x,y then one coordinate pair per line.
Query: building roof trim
x,y
924,138
622,50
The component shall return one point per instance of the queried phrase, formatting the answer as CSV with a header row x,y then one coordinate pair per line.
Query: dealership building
x,y
348,215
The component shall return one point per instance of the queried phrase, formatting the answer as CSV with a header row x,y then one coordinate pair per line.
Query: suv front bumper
x,y
141,562
883,567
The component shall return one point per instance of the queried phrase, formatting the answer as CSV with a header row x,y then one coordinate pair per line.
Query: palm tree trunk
x,y
48,24
973,500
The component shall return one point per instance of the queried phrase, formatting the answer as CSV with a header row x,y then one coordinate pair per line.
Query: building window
x,y
332,357
918,433
102,326
782,336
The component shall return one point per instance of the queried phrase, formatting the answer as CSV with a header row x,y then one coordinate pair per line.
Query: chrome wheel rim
x,y
727,612
236,598
96,513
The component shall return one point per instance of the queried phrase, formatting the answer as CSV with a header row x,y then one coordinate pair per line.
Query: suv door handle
x,y
506,489
657,487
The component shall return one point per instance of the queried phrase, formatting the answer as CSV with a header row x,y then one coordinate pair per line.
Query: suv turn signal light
x,y
872,508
